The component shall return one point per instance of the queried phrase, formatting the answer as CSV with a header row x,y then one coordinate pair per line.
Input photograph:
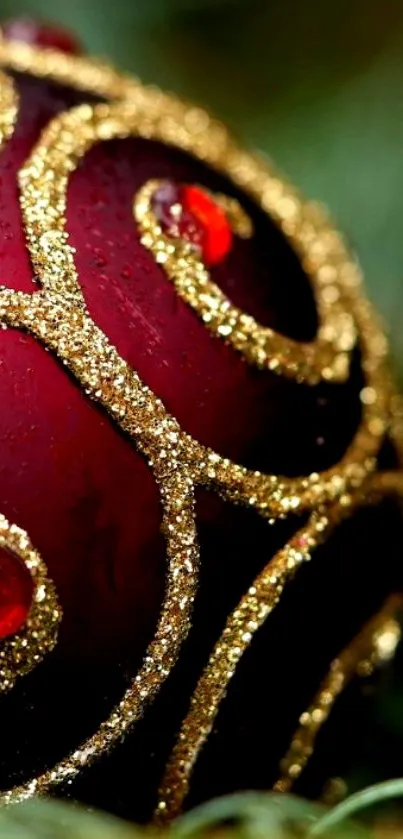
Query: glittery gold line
x,y
374,645
58,317
327,357
94,76
161,654
43,202
241,626
66,326
274,496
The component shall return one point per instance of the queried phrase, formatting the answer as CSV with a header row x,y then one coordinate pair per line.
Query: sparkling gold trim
x,y
321,249
23,651
58,317
86,74
161,653
375,645
327,357
43,201
241,626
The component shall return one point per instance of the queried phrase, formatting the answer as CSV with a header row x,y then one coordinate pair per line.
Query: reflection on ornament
x,y
201,219
29,610
16,588
188,230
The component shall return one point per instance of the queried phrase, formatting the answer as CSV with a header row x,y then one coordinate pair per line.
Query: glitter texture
x,y
373,646
326,358
21,652
57,316
8,108
245,621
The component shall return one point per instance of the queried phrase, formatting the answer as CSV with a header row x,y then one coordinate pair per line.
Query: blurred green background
x,y
318,85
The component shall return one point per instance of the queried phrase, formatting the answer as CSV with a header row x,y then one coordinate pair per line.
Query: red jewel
x,y
40,34
16,592
191,213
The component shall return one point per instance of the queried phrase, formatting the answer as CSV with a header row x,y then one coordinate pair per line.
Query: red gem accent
x,y
189,212
16,592
41,35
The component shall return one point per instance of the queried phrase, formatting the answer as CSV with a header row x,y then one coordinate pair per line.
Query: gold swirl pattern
x,y
374,645
58,317
326,358
241,626
43,202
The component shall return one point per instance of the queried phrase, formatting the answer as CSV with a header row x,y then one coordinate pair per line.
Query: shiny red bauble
x,y
89,501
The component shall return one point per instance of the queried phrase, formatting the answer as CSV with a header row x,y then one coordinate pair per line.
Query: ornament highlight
x,y
16,590
190,213
29,610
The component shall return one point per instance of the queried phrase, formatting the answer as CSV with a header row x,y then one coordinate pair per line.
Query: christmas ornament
x,y
190,370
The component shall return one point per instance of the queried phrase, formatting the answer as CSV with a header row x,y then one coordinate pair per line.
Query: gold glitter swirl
x,y
247,618
161,653
374,645
43,201
275,496
327,357
8,108
21,652
86,74
57,316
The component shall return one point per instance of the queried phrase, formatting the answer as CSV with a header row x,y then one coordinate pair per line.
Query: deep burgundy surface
x,y
91,506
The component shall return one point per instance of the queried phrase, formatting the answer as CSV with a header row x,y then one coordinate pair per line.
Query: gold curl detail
x,y
374,645
247,618
46,313
327,357
57,316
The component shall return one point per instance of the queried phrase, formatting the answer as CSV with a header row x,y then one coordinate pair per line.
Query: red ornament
x,y
41,34
89,500
16,590
189,212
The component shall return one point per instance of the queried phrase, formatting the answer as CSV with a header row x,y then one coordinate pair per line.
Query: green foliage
x,y
242,816
41,819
